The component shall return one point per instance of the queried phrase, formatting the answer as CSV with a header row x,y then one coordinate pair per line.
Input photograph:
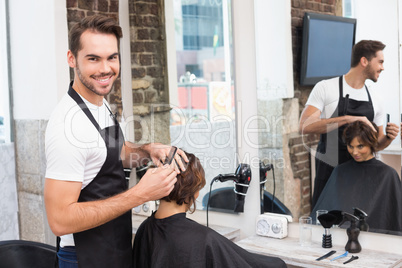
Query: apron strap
x,y
74,95
346,102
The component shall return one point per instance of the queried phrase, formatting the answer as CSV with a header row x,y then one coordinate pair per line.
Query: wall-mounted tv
x,y
326,47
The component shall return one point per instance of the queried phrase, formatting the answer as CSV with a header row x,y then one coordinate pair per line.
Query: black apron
x,y
331,150
108,245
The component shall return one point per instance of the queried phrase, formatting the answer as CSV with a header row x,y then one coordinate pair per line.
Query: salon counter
x,y
293,254
378,250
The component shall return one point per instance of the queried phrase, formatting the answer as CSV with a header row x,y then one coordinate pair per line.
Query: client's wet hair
x,y
363,132
189,182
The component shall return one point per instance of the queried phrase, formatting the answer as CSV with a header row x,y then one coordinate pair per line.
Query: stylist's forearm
x,y
320,126
384,142
134,155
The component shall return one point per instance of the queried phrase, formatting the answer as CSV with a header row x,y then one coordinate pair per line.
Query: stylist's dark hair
x,y
189,182
96,24
363,132
367,49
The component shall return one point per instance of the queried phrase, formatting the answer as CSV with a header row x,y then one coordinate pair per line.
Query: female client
x,y
365,182
169,239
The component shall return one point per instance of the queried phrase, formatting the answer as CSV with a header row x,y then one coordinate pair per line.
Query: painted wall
x,y
8,197
40,76
378,20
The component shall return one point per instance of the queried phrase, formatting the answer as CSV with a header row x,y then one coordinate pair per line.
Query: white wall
x,y
274,59
127,123
40,74
378,20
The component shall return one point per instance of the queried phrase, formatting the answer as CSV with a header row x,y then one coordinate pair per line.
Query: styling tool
x,y
338,215
341,256
332,252
345,108
353,245
327,220
170,157
362,224
241,178
263,179
351,259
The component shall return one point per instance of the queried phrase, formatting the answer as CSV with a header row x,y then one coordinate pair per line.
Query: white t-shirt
x,y
325,97
74,149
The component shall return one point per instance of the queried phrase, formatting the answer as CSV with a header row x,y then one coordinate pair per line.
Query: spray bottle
x,y
363,225
353,245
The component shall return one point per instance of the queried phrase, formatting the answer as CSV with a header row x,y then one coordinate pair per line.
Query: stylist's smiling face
x,y
359,151
97,63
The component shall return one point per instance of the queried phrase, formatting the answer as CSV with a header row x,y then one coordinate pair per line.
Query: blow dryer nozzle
x,y
226,177
242,175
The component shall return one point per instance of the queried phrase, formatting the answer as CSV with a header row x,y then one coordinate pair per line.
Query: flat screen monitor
x,y
326,47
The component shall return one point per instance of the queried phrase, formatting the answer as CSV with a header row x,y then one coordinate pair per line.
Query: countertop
x,y
289,250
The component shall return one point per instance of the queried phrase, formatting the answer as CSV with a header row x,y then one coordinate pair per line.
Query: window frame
x,y
5,69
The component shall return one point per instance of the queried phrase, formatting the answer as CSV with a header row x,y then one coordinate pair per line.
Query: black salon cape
x,y
180,242
371,186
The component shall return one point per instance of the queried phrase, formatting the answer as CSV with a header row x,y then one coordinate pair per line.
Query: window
x,y
348,10
203,115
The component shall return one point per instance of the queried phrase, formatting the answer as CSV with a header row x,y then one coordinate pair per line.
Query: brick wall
x,y
79,9
300,156
148,67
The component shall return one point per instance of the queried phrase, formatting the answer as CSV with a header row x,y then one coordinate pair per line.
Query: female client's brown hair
x,y
189,182
364,133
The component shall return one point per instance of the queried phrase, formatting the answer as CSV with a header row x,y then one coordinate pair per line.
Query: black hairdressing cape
x,y
371,186
180,242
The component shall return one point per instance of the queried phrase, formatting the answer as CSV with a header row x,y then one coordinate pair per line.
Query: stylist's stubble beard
x,y
90,85
370,73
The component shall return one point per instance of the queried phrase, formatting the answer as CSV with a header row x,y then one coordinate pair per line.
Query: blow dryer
x,y
241,178
263,179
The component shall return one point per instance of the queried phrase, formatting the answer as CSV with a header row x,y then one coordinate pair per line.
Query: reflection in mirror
x,y
203,121
388,85
364,186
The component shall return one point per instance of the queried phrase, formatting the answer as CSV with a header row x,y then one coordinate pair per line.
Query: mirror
x,y
202,119
387,88
191,125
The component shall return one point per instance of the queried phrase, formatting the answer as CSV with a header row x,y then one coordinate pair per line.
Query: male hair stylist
x,y
87,199
335,102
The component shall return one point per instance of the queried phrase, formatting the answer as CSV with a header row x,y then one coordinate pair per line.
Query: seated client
x,y
169,239
365,182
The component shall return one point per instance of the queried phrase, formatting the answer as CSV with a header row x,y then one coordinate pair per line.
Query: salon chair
x,y
29,254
